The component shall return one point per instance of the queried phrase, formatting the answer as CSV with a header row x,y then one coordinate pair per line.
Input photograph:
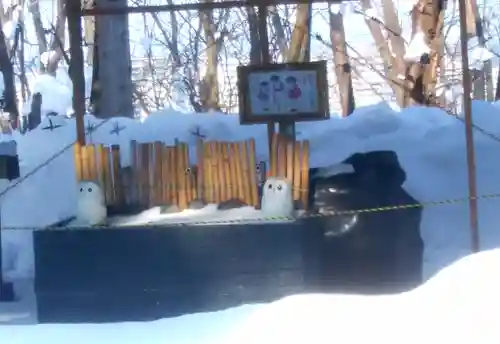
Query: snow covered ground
x,y
456,305
431,148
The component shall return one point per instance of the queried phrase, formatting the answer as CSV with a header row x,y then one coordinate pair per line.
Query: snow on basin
x,y
207,215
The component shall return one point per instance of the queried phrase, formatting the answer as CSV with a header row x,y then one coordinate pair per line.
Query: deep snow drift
x,y
456,305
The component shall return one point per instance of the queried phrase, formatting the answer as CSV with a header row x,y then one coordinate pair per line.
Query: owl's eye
x,y
90,190
270,186
279,187
81,189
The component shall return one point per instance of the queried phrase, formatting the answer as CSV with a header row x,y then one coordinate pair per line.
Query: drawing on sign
x,y
283,92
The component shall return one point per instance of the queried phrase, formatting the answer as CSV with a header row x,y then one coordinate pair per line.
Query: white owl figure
x,y
277,197
91,208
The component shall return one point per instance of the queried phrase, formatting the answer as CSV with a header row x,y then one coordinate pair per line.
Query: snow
x,y
417,47
46,56
2,85
204,216
430,145
445,309
9,27
56,94
442,161
198,328
478,56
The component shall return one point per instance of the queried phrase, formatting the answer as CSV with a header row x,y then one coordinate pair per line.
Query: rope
x,y
181,223
48,161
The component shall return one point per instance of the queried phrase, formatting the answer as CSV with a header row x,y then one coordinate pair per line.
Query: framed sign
x,y
285,92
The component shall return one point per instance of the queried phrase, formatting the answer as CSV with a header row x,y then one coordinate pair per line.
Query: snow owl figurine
x,y
277,198
91,208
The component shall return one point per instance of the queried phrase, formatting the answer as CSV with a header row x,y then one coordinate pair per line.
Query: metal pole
x,y
469,134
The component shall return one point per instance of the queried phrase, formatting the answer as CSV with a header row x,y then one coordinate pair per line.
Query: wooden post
x,y
265,58
469,134
76,72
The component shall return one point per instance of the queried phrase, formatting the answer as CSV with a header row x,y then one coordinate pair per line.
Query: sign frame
x,y
245,110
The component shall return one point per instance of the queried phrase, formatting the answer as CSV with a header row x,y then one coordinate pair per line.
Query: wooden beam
x,y
195,6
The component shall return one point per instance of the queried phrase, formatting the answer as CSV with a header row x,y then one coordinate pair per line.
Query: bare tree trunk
x,y
342,65
497,92
95,90
482,79
436,43
10,103
253,21
305,54
488,75
171,40
390,67
421,77
209,85
58,37
22,65
115,65
279,31
39,30
89,32
397,45
299,33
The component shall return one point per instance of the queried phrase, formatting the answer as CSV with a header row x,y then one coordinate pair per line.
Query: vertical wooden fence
x,y
163,175
228,171
101,164
290,160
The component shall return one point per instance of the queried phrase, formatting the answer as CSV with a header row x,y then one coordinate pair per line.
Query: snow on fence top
x,y
163,175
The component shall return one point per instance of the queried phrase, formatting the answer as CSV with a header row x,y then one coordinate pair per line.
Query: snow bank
x,y
203,328
430,145
454,306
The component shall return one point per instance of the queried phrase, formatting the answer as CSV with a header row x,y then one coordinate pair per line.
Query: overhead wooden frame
x,y
196,6
75,12
283,92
